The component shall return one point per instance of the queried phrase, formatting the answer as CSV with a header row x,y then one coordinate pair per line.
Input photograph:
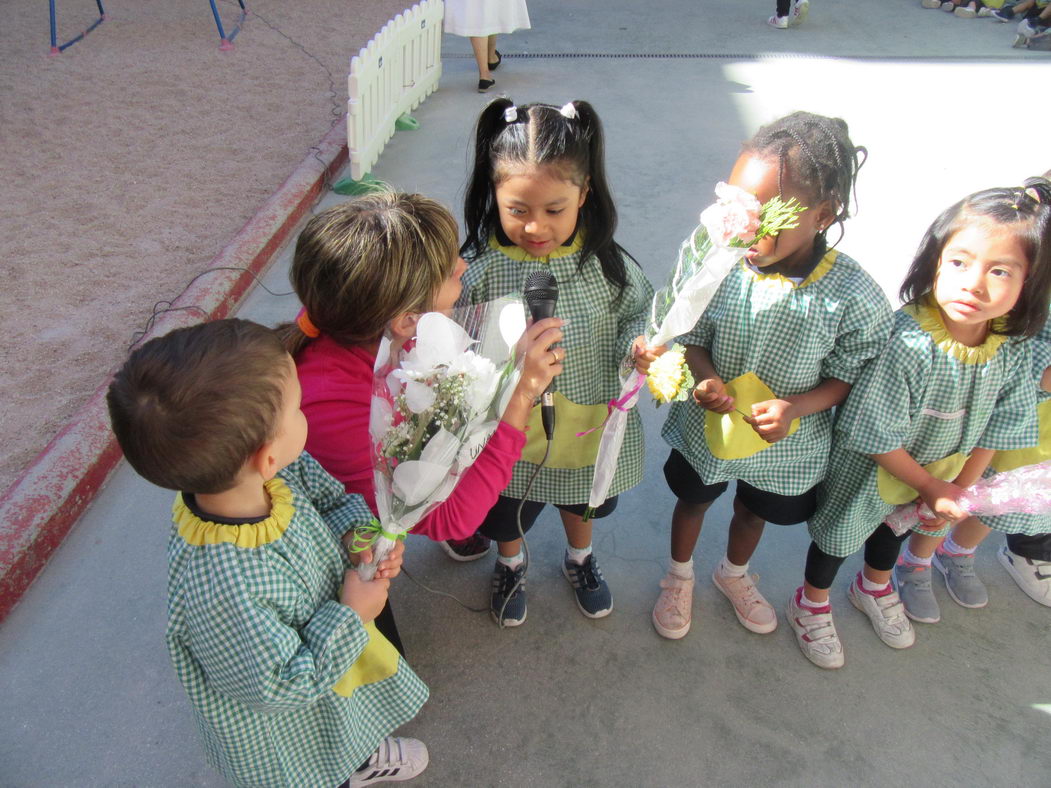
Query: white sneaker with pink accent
x,y
815,632
672,613
750,607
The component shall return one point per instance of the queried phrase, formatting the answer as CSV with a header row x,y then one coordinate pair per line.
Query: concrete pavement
x,y
89,696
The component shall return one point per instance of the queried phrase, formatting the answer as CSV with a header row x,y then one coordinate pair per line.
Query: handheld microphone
x,y
541,294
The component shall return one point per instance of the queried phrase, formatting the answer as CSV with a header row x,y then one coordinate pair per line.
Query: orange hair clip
x,y
306,326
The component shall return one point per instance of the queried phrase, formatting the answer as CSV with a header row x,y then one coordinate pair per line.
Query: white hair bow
x,y
511,114
568,111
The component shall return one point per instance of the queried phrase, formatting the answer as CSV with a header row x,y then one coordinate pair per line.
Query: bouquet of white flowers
x,y
728,228
435,403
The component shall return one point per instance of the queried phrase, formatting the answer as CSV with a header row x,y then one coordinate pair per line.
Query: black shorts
x,y
500,524
777,509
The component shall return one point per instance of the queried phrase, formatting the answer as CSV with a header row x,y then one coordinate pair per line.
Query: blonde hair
x,y
359,265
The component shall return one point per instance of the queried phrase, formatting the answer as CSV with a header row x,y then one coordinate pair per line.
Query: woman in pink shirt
x,y
372,265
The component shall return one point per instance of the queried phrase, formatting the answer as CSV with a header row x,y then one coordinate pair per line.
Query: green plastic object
x,y
406,122
349,186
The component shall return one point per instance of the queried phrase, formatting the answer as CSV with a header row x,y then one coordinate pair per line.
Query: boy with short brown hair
x,y
270,632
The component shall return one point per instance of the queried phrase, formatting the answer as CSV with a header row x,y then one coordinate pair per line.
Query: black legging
x,y
881,551
784,7
1036,548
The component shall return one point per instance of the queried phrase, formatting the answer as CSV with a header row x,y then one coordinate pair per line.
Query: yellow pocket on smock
x,y
1018,458
567,450
729,436
378,661
893,490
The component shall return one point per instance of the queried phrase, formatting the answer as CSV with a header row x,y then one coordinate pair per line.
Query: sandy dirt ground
x,y
130,160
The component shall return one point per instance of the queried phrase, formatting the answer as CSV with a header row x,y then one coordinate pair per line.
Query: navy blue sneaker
x,y
591,589
507,604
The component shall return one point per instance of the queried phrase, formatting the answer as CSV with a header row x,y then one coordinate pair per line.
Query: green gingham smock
x,y
1020,523
288,687
927,394
599,336
793,337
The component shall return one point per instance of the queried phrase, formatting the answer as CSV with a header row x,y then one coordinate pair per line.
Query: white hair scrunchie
x,y
511,114
568,111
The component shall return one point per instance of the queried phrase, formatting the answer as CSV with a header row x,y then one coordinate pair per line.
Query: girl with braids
x,y
538,199
953,386
373,265
781,343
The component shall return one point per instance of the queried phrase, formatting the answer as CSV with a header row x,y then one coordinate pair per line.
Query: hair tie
x,y
305,324
568,110
511,114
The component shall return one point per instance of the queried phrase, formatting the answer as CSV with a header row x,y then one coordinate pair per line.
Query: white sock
x,y
868,585
730,569
949,546
512,561
578,556
682,570
808,602
915,560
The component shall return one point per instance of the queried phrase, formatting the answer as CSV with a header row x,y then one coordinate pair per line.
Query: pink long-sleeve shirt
x,y
337,396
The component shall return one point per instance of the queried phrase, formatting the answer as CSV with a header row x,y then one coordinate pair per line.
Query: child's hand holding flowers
x,y
644,354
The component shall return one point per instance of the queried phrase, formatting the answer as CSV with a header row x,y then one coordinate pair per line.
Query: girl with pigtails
x,y
538,199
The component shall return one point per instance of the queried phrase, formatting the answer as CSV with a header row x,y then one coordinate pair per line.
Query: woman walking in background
x,y
481,21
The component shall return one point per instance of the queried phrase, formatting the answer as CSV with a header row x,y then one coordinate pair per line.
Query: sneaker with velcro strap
x,y
1031,575
396,759
815,632
885,611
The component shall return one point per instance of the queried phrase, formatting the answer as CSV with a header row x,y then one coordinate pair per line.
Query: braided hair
x,y
818,153
541,135
1026,210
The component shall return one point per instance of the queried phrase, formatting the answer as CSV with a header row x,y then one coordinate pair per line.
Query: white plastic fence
x,y
391,75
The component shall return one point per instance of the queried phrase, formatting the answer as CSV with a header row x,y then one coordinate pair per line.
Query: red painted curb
x,y
40,508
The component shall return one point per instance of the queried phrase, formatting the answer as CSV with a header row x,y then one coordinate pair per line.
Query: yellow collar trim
x,y
819,271
522,256
200,532
929,319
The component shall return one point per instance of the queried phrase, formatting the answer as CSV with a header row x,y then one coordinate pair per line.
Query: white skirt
x,y
485,17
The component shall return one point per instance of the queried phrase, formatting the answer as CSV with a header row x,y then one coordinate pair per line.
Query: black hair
x,y
817,153
1029,209
540,135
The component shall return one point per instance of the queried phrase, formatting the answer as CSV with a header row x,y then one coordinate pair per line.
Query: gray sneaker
x,y
913,584
961,582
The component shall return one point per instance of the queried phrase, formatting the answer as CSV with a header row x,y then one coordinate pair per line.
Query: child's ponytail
x,y
479,209
599,213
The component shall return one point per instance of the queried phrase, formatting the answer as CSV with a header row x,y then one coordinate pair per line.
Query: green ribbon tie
x,y
366,535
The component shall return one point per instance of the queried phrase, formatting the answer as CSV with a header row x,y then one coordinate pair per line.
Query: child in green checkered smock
x,y
780,344
538,200
954,557
953,387
269,629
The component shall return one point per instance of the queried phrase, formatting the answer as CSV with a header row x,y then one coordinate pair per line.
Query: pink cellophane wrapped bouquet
x,y
729,226
435,403
1024,490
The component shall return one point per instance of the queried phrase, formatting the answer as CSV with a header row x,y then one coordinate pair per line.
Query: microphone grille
x,y
540,286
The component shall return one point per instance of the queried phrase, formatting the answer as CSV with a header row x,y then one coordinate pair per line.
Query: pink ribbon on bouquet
x,y
617,404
